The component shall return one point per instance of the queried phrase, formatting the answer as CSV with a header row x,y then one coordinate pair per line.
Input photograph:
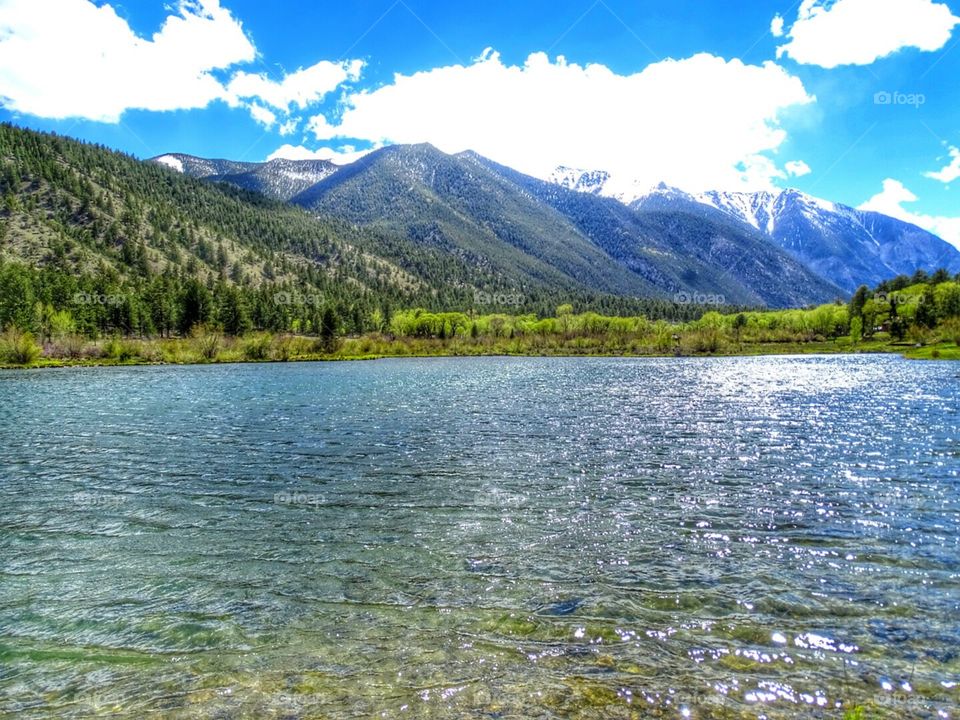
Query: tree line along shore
x,y
918,316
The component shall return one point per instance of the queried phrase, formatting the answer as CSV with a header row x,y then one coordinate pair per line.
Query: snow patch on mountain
x,y
760,210
757,209
602,183
588,181
847,246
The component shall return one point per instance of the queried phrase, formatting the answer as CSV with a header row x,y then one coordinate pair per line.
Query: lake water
x,y
482,538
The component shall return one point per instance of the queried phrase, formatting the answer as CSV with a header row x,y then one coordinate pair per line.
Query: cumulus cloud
x,y
262,115
289,127
776,26
797,168
300,89
344,155
858,32
698,123
71,58
950,172
890,201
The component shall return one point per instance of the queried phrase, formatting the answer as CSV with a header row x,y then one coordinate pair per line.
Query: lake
x,y
769,537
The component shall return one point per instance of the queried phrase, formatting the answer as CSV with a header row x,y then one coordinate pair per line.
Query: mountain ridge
x,y
159,250
422,191
847,246
278,179
844,246
715,251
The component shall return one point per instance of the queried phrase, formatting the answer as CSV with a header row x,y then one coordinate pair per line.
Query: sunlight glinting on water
x,y
746,537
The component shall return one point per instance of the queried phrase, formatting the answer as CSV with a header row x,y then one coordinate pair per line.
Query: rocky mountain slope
x,y
278,179
846,246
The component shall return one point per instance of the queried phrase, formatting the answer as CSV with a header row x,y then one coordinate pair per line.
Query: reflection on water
x,y
489,538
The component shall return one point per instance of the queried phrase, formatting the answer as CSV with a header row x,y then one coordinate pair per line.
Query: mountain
x,y
507,229
846,246
493,226
598,182
851,247
468,205
445,202
158,250
278,179
199,167
594,182
84,218
682,249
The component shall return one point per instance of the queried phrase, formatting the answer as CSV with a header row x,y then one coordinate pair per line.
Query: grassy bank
x,y
263,347
919,321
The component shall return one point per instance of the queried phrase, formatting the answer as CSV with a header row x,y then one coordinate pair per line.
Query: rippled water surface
x,y
482,538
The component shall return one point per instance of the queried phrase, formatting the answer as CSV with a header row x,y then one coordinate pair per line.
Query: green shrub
x,y
68,346
283,349
950,330
918,335
121,350
148,351
18,347
705,340
327,345
257,347
206,342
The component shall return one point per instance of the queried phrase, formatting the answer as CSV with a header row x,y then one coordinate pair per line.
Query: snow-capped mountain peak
x,y
279,178
764,209
757,209
601,182
847,246
589,181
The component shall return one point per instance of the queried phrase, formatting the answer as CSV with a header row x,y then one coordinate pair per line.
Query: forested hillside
x,y
104,243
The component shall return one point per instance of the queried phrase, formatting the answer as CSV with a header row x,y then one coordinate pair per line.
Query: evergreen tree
x,y
195,305
858,300
234,316
329,329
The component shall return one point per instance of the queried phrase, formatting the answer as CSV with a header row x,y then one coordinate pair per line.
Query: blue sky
x,y
851,100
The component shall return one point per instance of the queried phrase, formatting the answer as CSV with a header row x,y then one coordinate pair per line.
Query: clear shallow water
x,y
489,538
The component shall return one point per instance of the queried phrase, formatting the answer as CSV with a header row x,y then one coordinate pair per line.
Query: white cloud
x,y
891,201
697,123
321,129
797,168
344,155
300,89
71,58
949,173
776,26
289,127
262,115
858,32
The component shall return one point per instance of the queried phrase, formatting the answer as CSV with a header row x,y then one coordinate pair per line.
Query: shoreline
x,y
940,351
